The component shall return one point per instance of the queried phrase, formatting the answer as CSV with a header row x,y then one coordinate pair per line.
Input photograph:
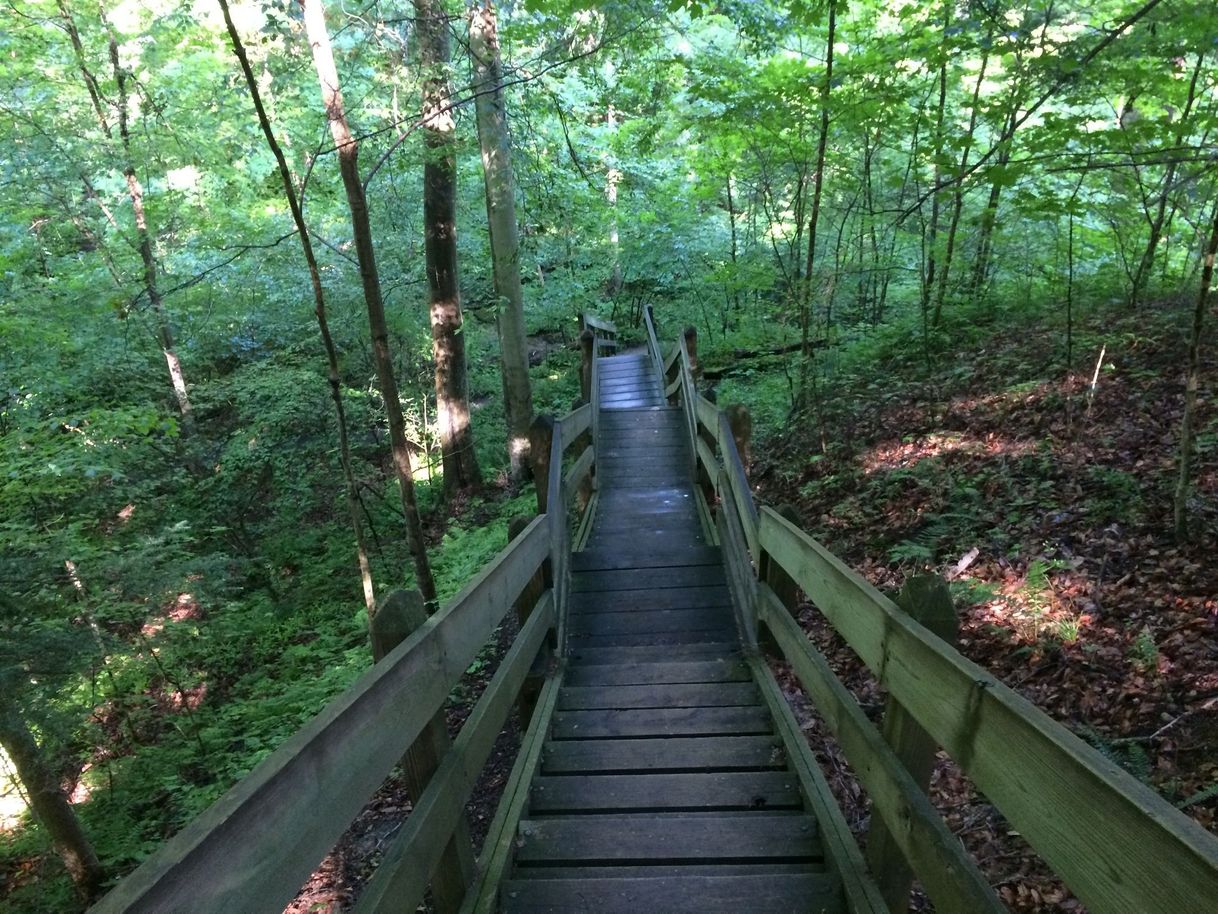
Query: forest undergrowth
x,y
1046,502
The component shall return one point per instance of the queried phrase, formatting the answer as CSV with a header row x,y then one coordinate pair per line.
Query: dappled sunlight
x,y
12,803
892,455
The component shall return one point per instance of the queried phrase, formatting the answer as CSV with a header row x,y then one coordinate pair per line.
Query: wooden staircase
x,y
662,784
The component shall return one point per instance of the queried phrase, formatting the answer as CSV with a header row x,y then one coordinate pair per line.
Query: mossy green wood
x,y
948,874
403,874
1116,843
255,846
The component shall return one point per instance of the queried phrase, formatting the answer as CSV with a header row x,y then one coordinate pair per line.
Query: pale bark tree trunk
x,y
989,216
440,244
818,180
49,804
613,177
361,230
505,235
135,191
319,309
1193,382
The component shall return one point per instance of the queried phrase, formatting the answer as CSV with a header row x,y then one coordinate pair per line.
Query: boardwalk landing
x,y
663,787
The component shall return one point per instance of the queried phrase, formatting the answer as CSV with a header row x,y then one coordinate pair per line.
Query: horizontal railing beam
x,y
256,845
404,872
1116,844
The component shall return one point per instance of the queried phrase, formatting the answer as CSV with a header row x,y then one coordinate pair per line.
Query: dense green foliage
x,y
173,605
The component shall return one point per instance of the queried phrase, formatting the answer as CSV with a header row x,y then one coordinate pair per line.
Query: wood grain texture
x,y
1119,846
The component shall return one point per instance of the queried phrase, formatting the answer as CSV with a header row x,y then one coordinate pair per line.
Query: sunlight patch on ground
x,y
12,803
894,455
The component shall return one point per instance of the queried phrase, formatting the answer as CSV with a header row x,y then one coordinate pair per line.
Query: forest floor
x,y
1049,510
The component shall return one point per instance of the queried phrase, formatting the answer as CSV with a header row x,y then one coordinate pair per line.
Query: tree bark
x,y
135,191
49,804
440,246
505,235
361,230
928,281
1193,382
818,175
1142,274
319,309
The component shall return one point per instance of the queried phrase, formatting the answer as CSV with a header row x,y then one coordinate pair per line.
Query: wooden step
x,y
661,620
671,754
696,791
755,894
632,639
617,559
714,596
648,578
658,839
674,695
616,723
613,655
669,672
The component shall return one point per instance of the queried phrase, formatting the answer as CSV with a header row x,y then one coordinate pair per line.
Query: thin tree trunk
x,y
1193,382
319,309
958,192
1145,265
931,244
361,230
505,235
49,804
135,192
440,245
818,175
989,216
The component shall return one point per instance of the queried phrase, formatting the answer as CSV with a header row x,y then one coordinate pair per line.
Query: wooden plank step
x,y
650,839
631,639
613,655
671,672
807,893
664,754
753,867
648,600
657,538
638,623
648,578
662,517
700,791
643,557
667,695
611,723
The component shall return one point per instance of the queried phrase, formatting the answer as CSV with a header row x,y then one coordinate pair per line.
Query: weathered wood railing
x,y
253,849
1114,842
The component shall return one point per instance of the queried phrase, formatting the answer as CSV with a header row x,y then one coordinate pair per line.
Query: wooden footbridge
x,y
661,769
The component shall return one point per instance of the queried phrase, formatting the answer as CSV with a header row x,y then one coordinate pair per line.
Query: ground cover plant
x,y
281,284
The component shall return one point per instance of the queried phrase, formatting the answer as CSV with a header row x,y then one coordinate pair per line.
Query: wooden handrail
x,y
1115,842
253,849
256,845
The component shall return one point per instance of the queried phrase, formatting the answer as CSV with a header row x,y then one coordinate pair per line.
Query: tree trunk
x,y
1184,479
1145,265
49,804
505,236
818,175
361,230
989,216
135,192
440,245
319,309
958,192
931,246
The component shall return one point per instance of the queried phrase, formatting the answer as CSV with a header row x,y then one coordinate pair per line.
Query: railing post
x,y
587,352
783,585
524,606
396,618
691,347
541,439
927,599
741,424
